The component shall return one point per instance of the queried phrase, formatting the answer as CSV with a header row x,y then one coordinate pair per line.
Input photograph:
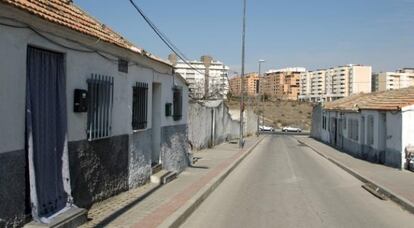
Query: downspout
x,y
213,127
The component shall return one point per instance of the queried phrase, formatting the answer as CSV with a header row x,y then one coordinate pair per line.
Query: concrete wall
x,y
140,149
101,168
361,81
200,124
316,122
174,148
98,169
13,189
408,129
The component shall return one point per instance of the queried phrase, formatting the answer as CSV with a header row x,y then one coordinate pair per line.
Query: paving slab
x,y
164,202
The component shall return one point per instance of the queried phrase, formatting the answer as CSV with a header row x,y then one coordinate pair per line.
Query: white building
x,y
288,69
335,83
394,80
83,112
377,127
218,83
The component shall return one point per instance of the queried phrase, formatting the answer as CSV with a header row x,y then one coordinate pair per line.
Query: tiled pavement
x,y
127,210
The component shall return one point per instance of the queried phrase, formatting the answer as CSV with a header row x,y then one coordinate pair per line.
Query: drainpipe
x,y
213,127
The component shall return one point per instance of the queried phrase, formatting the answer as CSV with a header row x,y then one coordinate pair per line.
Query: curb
x,y
180,216
401,201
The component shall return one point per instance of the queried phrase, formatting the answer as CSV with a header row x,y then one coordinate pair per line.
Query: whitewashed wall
x,y
79,67
407,129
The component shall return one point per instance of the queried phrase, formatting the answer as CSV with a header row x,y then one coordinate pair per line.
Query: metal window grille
x,y
353,128
177,103
100,103
370,130
139,105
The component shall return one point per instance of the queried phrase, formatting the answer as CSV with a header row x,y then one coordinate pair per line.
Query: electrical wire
x,y
88,50
163,37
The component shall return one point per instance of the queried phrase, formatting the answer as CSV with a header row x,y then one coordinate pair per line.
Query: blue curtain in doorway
x,y
46,129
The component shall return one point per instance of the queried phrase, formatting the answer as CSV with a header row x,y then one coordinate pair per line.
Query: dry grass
x,y
279,113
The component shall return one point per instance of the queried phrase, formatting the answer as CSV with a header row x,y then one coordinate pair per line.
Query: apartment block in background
x,y
335,83
217,77
393,80
251,84
283,83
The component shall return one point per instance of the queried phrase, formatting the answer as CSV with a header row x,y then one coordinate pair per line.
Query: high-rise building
x,y
394,80
282,83
335,83
251,84
207,78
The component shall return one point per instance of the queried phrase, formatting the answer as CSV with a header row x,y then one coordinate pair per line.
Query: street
x,y
285,184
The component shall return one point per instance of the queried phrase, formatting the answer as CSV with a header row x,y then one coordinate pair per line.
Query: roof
x,y
392,100
67,14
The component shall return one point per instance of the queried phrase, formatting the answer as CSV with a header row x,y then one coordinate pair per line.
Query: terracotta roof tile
x,y
65,13
386,100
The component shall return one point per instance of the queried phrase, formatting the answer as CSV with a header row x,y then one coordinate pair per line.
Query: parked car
x,y
266,128
291,129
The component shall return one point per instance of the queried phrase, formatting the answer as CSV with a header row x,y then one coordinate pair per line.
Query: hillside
x,y
279,113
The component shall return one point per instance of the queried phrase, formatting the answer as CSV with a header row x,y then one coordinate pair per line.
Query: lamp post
x,y
241,141
261,91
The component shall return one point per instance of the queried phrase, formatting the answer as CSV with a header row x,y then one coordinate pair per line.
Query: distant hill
x,y
279,113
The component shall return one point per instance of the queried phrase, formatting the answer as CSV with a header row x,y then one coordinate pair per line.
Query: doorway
x,y
156,124
46,129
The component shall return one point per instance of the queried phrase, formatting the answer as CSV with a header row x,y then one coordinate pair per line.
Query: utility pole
x,y
261,91
241,141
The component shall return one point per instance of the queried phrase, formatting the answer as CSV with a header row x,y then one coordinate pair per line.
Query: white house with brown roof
x,y
84,114
377,126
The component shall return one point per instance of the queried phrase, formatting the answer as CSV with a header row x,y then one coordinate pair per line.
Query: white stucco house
x,y
84,114
376,126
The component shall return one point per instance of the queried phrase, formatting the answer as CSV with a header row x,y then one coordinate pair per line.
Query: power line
x,y
163,37
87,50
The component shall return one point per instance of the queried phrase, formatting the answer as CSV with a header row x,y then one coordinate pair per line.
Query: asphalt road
x,y
284,184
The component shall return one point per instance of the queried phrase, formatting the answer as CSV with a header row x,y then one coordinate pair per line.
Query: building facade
x,y
250,83
83,111
282,83
376,127
335,83
207,78
393,80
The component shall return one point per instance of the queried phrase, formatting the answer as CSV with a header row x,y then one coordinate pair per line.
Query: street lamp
x,y
261,91
241,141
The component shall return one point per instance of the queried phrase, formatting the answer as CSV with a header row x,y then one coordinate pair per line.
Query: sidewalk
x,y
154,206
398,185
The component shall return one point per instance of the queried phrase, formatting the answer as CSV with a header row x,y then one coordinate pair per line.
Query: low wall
x,y
316,122
210,123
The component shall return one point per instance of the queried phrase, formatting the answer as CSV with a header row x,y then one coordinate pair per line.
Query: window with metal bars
x,y
100,103
370,130
139,105
353,129
177,103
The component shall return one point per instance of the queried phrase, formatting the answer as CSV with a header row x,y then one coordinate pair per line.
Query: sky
x,y
285,33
